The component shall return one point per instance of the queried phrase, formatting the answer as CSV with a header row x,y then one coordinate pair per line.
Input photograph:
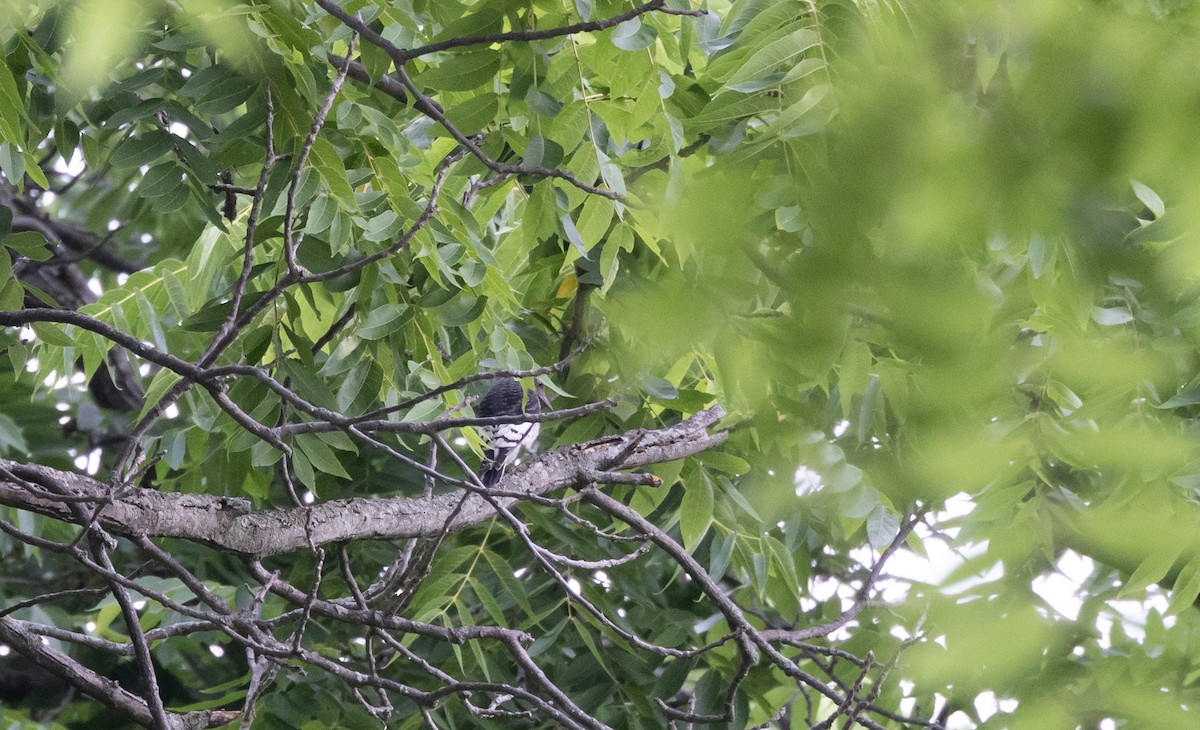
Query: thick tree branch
x,y
231,524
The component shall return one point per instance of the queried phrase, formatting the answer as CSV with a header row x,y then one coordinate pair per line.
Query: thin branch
x,y
539,35
15,635
141,648
239,289
435,113
401,242
289,240
562,363
51,597
385,83
439,424
796,636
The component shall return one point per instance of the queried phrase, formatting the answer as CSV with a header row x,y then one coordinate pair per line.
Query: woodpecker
x,y
504,441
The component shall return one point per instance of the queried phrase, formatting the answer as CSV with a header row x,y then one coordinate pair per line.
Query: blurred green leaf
x,y
882,527
102,33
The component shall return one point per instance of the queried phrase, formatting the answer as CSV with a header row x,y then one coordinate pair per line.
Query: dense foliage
x,y
893,306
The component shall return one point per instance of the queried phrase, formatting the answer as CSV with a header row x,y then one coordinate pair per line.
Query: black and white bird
x,y
504,441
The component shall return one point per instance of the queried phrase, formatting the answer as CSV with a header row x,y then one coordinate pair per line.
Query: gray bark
x,y
231,524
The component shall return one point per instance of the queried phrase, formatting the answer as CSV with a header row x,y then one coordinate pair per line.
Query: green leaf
x,y
1111,316
695,511
12,163
328,163
805,68
789,219
12,440
196,161
1151,570
12,296
732,106
161,180
11,107
542,152
463,71
225,96
105,616
546,640
505,574
593,649
489,602
308,384
594,220
359,389
882,527
854,371
725,462
52,334
142,149
734,494
34,170
800,113
474,114
1189,397
321,456
720,553
1041,253
30,244
1186,588
320,215
572,234
384,320
1149,198
783,51
163,381
385,226
841,477
633,35
462,310
213,314
541,102
658,387
303,470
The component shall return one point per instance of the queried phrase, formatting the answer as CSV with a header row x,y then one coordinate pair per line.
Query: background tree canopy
x,y
871,329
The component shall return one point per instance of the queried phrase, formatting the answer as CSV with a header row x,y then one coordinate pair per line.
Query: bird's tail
x,y
493,469
491,475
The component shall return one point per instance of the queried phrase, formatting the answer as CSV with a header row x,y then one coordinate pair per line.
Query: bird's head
x,y
537,399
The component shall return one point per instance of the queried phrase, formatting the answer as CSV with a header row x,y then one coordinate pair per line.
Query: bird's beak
x,y
541,395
